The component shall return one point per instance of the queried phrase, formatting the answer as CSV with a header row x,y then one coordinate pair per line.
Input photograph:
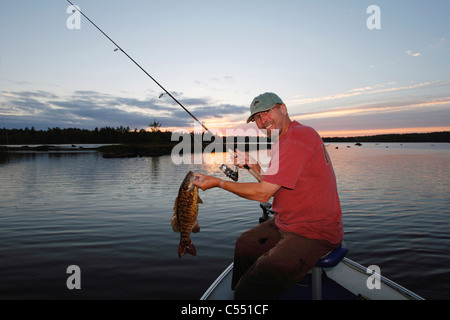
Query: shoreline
x,y
107,151
132,150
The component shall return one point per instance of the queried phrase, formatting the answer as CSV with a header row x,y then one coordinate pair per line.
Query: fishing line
x,y
137,64
228,172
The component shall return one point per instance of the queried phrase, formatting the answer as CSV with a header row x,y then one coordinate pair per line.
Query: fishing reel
x,y
232,174
267,209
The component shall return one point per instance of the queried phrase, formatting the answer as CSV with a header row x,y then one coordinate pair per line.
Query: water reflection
x,y
19,156
14,157
155,164
112,218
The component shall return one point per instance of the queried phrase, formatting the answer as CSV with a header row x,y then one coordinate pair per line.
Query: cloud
x,y
383,106
385,117
369,90
90,109
379,108
410,53
383,121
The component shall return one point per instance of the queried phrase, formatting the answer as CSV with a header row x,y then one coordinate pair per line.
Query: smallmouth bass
x,y
184,219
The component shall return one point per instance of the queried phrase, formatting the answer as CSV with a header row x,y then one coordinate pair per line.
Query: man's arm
x,y
243,158
257,191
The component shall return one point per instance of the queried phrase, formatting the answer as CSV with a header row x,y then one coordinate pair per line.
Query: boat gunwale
x,y
346,261
217,282
393,285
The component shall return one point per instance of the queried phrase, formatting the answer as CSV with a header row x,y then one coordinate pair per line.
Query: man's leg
x,y
281,267
251,245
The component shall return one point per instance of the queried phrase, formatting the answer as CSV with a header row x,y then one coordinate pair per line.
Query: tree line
x,y
82,136
124,135
443,136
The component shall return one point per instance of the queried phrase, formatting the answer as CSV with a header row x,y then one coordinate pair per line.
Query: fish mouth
x,y
189,182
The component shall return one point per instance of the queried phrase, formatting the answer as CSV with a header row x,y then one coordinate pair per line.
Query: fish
x,y
184,219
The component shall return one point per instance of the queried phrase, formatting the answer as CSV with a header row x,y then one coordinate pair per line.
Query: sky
x,y
341,67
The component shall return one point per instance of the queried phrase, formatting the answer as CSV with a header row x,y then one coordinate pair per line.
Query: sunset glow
x,y
333,72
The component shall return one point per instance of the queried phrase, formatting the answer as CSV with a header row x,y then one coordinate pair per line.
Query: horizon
x,y
260,134
349,68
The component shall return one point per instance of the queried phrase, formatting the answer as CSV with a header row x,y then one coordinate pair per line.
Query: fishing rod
x,y
137,64
228,172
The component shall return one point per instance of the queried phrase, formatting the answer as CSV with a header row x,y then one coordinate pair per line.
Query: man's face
x,y
271,120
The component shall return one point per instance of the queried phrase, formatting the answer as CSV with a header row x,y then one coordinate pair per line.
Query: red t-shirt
x,y
307,202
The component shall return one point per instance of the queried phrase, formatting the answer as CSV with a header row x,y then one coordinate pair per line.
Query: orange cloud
x,y
370,109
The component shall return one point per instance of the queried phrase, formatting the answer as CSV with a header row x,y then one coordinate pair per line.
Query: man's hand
x,y
205,182
243,158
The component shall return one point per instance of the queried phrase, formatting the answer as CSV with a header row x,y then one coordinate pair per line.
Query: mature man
x,y
276,254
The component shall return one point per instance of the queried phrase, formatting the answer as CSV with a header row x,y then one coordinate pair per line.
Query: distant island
x,y
443,136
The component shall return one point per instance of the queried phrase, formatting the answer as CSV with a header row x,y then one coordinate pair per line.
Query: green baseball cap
x,y
263,102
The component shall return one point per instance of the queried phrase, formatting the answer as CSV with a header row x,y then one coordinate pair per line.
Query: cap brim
x,y
267,108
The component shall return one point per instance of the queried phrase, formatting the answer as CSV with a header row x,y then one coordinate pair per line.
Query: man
x,y
277,254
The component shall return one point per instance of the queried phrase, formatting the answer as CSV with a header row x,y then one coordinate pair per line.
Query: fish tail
x,y
186,247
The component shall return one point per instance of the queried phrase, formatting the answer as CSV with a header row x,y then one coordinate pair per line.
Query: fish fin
x,y
195,227
199,200
175,226
175,205
186,248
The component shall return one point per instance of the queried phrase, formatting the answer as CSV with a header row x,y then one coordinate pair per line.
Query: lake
x,y
111,218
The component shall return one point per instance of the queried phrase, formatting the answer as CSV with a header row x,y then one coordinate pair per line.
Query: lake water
x,y
111,217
